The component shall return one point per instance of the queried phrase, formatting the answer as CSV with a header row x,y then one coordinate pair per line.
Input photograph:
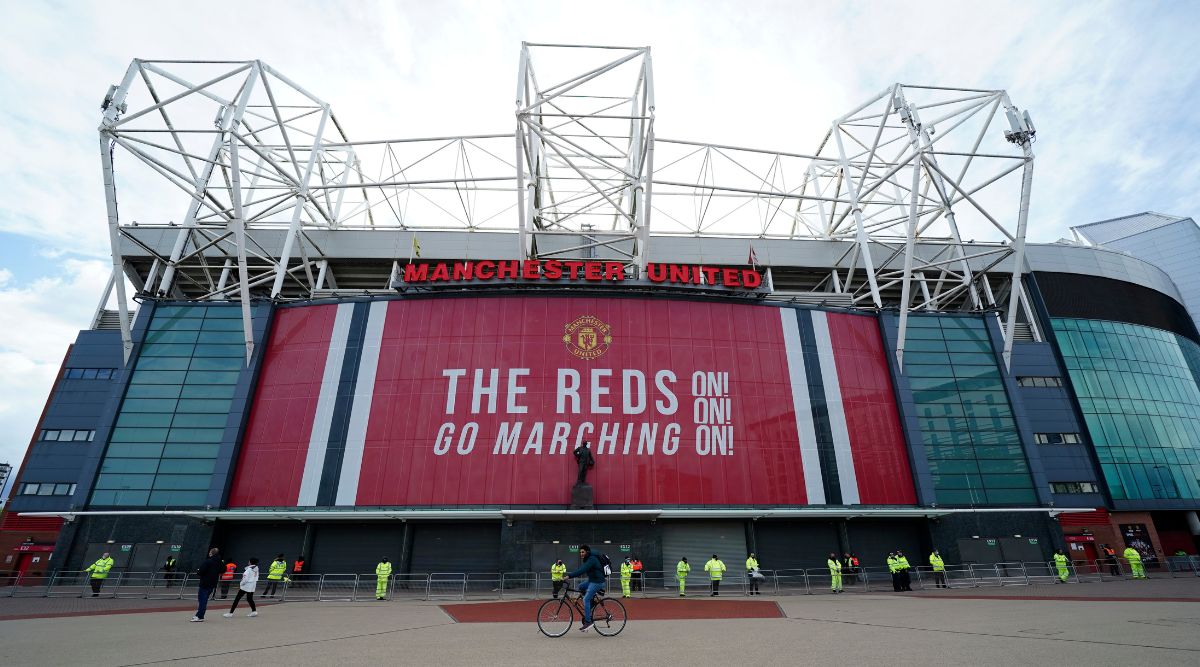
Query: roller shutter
x,y
700,540
789,545
243,541
872,541
456,547
356,548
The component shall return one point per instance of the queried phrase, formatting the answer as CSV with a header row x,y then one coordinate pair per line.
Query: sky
x,y
1113,89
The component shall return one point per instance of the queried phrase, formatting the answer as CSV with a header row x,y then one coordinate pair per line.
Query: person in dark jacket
x,y
210,574
591,567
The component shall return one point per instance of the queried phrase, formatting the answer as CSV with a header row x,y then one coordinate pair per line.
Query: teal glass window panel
x,y
167,313
223,312
139,434
167,350
203,405
123,481
922,371
1011,496
208,391
1004,466
921,345
230,324
200,420
177,498
113,465
148,405
956,481
219,338
176,324
208,350
171,336
940,358
969,346
191,451
143,419
948,497
196,435
158,377
212,377
972,359
922,384
1013,481
182,482
217,364
183,466
153,391
134,449
162,363
954,467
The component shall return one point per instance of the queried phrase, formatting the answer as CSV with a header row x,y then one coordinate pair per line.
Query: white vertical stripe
x,y
847,479
318,442
360,408
814,485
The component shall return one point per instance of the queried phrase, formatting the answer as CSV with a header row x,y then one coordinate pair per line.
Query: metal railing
x,y
526,585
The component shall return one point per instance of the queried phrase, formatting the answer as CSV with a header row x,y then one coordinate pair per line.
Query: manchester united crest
x,y
587,337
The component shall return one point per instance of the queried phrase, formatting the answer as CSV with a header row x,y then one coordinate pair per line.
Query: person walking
x,y
626,575
383,572
246,589
835,573
227,578
905,577
99,571
275,575
1110,557
1060,564
939,569
850,574
681,573
893,565
715,569
558,572
596,580
209,573
752,574
1135,563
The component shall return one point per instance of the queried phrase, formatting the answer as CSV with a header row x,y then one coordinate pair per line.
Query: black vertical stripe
x,y
335,452
820,409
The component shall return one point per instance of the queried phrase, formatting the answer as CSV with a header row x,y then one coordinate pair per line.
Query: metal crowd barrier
x,y
410,587
483,586
301,587
518,585
341,587
447,586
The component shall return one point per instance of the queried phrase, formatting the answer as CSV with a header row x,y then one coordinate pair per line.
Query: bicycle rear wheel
x,y
554,617
609,617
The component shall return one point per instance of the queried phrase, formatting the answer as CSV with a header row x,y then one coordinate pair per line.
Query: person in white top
x,y
246,589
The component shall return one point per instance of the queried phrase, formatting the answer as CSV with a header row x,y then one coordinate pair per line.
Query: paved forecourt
x,y
901,629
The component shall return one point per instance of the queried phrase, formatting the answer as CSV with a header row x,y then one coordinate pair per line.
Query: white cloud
x,y
42,318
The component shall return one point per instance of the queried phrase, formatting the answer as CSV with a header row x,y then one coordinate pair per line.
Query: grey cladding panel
x,y
458,547
795,544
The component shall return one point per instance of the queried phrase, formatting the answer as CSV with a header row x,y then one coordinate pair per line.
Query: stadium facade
x,y
347,391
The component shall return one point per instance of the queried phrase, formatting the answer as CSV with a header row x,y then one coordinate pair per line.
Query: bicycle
x,y
555,617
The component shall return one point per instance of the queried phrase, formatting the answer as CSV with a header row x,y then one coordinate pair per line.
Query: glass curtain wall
x,y
164,445
971,439
1139,389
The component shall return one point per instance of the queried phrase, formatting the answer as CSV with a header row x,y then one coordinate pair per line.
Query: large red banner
x,y
481,401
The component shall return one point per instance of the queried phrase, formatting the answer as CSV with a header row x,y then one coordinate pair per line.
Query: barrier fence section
x,y
525,585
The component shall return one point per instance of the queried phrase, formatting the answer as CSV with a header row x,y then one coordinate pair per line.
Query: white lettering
x,y
506,439
534,442
584,429
598,390
466,439
630,377
646,439
608,438
515,390
671,404
558,442
442,444
670,439
479,390
568,387
452,391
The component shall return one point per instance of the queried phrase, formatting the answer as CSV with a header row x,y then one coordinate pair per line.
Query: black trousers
x,y
753,585
272,586
225,590
238,598
939,578
637,580
896,582
96,584
557,587
716,586
905,580
1114,568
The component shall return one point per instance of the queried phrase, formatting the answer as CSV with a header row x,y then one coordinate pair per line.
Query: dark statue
x,y
583,457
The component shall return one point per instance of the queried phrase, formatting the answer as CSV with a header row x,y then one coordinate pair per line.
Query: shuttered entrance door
x,y
699,540
456,547
356,548
243,541
872,541
790,545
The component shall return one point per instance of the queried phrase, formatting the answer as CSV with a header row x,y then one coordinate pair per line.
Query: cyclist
x,y
590,566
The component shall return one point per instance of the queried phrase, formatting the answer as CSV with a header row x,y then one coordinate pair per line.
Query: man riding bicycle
x,y
596,581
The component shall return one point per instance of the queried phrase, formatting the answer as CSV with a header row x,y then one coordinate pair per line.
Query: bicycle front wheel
x,y
609,617
554,617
